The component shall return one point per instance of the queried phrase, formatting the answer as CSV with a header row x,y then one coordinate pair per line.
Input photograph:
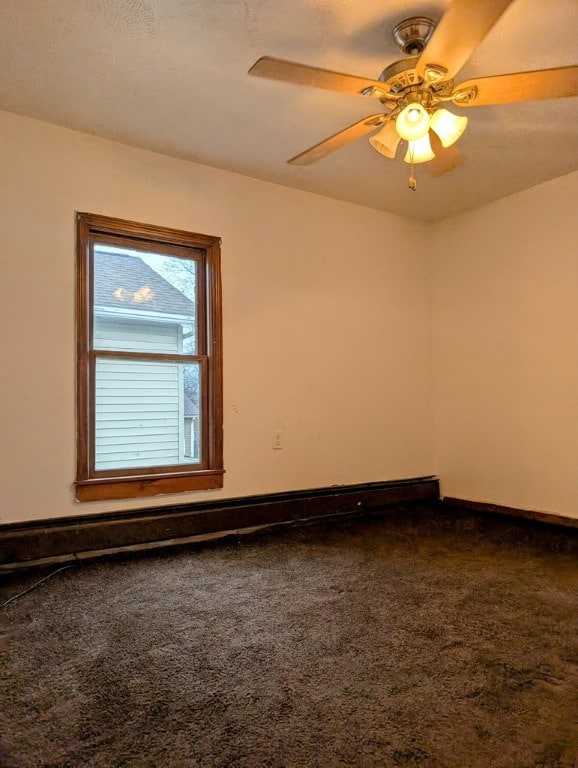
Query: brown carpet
x,y
409,638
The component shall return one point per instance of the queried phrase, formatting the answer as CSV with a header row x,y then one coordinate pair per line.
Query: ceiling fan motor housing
x,y
404,85
411,36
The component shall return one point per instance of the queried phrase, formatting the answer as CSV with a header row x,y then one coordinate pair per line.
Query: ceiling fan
x,y
414,89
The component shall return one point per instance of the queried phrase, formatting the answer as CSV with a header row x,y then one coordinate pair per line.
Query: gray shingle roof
x,y
190,408
121,280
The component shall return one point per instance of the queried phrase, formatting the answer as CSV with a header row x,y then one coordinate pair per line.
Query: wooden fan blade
x,y
458,33
301,74
556,83
338,140
446,158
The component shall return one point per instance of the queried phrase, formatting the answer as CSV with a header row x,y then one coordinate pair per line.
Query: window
x,y
149,379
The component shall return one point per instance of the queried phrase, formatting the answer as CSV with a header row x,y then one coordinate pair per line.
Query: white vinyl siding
x,y
120,334
138,404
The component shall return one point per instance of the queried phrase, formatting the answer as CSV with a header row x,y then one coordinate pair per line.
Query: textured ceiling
x,y
171,76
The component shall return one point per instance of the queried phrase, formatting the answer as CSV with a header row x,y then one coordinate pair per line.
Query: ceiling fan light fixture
x,y
412,122
447,126
419,151
386,141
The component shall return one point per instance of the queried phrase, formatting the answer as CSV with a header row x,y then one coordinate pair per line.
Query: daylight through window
x,y
149,360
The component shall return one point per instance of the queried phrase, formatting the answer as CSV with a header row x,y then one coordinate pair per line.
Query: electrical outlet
x,y
277,442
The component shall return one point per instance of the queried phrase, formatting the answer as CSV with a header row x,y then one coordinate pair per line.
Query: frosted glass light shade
x,y
449,127
386,141
419,151
412,122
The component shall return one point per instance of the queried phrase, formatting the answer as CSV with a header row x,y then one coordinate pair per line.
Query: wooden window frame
x,y
92,484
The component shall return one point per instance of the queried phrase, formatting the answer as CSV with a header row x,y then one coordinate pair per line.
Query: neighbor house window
x,y
149,386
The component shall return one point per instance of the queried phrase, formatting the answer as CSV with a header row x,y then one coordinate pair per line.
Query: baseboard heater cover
x,y
61,539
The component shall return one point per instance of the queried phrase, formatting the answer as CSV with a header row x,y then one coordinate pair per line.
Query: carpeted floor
x,y
409,638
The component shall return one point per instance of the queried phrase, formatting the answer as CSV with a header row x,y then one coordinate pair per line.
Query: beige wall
x,y
505,331
327,332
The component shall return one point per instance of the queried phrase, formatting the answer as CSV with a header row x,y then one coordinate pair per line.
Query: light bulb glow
x,y
412,122
449,127
419,151
386,141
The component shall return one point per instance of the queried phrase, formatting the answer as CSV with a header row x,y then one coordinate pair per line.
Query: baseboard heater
x,y
81,537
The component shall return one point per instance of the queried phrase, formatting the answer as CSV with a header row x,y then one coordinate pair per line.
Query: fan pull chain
x,y
412,183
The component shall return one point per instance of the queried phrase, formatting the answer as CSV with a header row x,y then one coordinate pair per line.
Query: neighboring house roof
x,y
190,408
121,280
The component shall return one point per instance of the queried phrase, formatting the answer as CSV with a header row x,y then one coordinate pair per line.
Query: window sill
x,y
100,489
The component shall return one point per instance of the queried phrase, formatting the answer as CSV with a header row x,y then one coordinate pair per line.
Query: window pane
x,y
144,302
146,414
